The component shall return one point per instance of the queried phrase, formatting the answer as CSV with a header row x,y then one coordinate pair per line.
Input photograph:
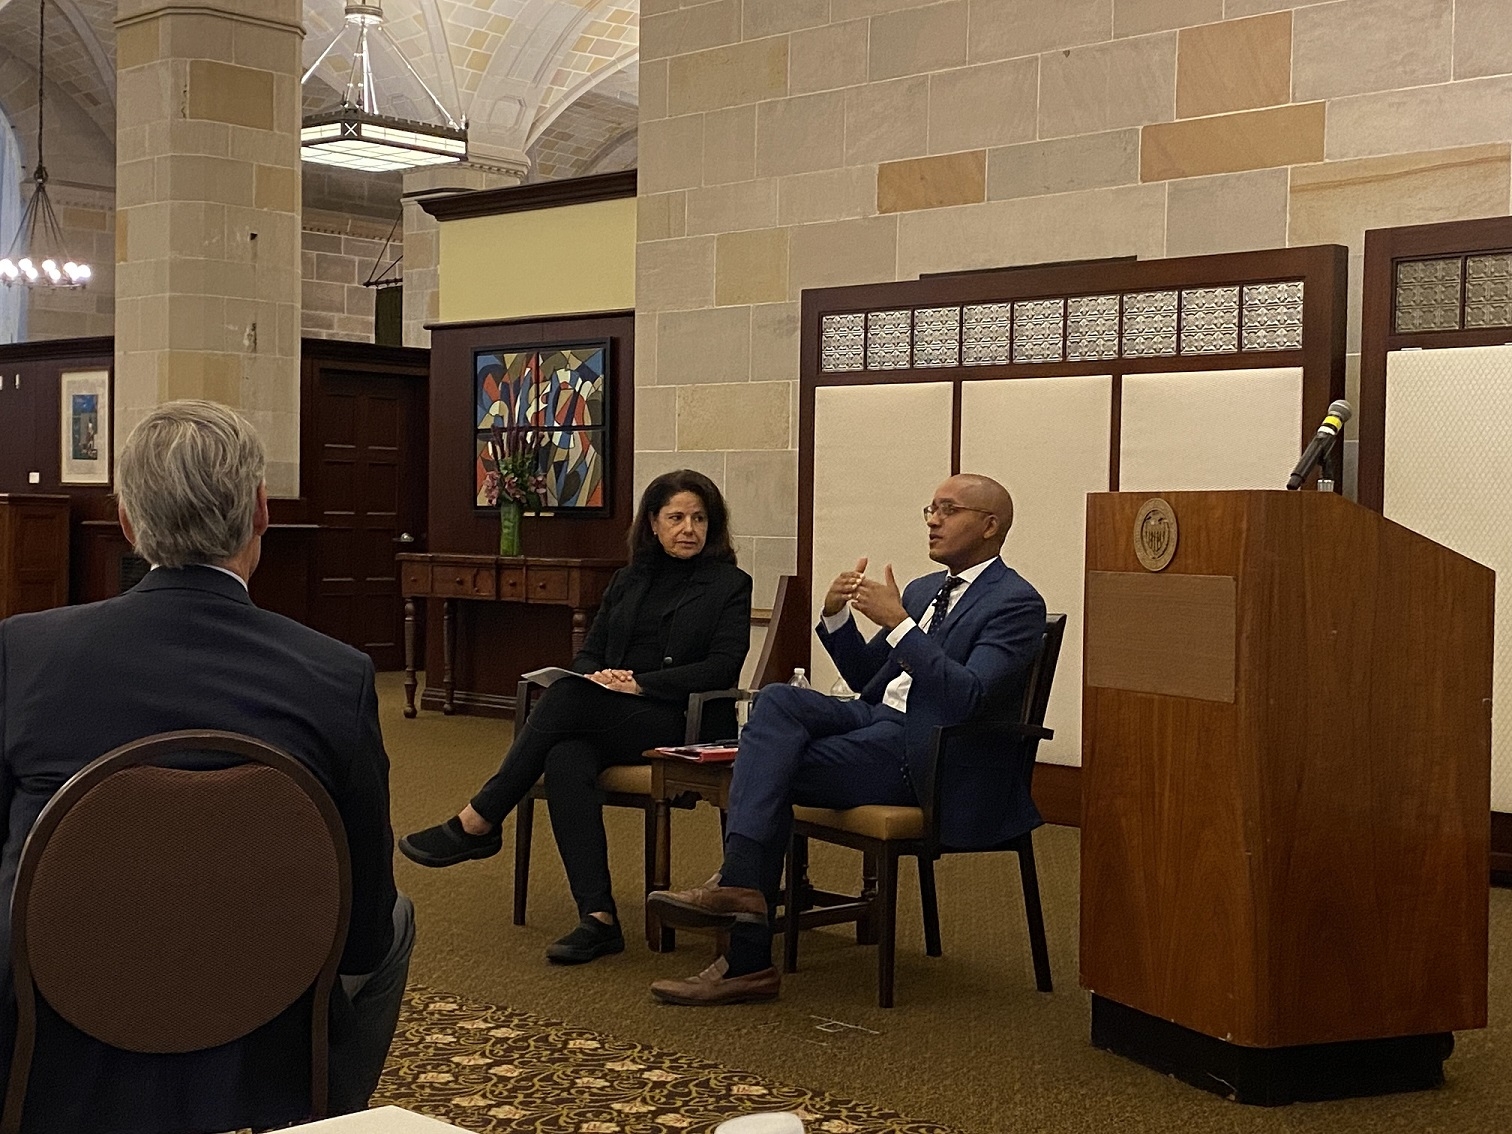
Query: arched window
x,y
12,173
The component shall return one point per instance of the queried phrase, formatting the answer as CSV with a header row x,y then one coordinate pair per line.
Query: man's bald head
x,y
978,491
969,520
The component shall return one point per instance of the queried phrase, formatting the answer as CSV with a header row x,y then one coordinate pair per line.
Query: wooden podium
x,y
1286,748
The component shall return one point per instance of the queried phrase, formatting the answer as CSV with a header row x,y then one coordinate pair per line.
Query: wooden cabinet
x,y
33,552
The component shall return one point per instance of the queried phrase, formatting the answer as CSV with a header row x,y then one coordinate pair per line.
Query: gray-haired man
x,y
186,648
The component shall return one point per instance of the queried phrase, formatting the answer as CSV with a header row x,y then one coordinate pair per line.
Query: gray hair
x,y
187,478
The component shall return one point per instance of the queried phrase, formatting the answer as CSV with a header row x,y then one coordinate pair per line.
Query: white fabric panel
x,y
879,453
1046,440
1448,475
1209,430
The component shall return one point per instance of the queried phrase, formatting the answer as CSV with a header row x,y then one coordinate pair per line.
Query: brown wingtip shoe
x,y
710,906
712,987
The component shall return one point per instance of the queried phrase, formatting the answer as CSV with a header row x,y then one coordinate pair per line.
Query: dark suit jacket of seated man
x,y
954,645
187,649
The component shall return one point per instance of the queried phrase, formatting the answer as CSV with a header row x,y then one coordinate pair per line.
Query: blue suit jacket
x,y
974,666
186,649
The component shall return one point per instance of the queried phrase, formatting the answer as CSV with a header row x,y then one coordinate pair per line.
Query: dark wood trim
x,y
568,316
412,360
467,701
524,198
1501,848
1057,793
46,350
1383,248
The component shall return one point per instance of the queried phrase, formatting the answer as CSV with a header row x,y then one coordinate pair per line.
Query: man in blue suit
x,y
954,645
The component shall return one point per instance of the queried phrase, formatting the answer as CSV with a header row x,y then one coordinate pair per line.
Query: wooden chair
x,y
630,785
885,834
161,909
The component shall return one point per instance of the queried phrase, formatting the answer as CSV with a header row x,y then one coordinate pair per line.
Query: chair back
x,y
1037,687
164,908
786,645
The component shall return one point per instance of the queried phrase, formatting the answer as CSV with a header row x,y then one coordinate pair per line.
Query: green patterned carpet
x,y
492,1069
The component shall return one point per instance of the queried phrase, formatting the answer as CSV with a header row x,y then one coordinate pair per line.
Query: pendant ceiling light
x,y
37,256
358,136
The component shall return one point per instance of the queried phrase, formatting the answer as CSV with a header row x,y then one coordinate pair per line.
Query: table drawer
x,y
464,582
512,584
546,584
415,579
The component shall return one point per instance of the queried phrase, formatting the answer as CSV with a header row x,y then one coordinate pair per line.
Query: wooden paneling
x,y
1306,864
496,642
1165,633
33,553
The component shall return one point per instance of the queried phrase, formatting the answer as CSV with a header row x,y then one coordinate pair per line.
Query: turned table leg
x,y
409,657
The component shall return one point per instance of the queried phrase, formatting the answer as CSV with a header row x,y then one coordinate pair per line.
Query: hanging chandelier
x,y
357,136
37,256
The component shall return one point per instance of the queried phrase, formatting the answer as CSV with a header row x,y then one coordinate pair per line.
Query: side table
x,y
675,781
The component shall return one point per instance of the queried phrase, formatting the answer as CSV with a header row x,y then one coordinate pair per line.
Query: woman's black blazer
x,y
705,634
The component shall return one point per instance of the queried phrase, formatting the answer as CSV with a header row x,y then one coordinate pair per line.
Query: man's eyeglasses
x,y
945,509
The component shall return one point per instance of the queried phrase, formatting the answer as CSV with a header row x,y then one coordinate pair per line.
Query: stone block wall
x,y
787,144
338,254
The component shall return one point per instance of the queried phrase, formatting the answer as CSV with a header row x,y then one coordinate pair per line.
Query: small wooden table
x,y
578,584
679,782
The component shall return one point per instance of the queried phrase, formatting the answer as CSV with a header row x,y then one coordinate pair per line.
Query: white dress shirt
x,y
243,582
895,696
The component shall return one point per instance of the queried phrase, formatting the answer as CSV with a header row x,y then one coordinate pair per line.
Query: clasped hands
x,y
880,600
620,680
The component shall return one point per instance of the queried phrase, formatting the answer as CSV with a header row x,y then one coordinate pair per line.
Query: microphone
x,y
1317,449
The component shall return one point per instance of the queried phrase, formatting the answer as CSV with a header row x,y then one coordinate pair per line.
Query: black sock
x,y
750,949
742,863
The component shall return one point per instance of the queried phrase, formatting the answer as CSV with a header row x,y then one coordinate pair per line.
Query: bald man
x,y
953,645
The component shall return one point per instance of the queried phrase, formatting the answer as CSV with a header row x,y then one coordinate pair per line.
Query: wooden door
x,y
368,498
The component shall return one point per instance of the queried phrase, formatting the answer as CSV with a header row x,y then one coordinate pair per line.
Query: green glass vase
x,y
509,528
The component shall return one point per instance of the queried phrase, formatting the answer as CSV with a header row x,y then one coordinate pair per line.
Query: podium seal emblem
x,y
1155,534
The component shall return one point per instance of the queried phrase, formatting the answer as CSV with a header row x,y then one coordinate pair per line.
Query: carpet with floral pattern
x,y
490,1069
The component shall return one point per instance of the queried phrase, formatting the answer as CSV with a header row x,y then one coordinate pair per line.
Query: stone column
x,y
207,214
422,232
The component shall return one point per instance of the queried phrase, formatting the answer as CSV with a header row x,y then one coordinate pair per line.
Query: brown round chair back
x,y
161,909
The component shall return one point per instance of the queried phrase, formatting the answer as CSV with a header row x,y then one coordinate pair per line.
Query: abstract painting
x,y
558,395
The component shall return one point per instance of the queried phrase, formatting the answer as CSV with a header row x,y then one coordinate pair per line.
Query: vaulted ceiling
x,y
554,79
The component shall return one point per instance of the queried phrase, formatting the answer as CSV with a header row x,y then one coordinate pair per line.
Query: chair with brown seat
x,y
630,785
165,906
885,834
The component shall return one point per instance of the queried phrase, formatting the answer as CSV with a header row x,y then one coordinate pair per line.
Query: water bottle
x,y
800,679
840,691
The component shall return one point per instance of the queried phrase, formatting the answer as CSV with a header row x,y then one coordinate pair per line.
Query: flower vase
x,y
509,528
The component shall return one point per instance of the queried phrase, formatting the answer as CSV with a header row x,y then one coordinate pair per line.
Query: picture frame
x,y
560,392
84,427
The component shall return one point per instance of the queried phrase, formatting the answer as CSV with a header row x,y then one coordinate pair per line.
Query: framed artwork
x,y
84,407
556,397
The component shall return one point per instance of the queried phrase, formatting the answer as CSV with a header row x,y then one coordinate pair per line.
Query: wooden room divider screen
x,y
1196,373
1435,402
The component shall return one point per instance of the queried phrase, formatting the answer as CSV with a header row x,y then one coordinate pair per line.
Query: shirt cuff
x,y
833,622
895,635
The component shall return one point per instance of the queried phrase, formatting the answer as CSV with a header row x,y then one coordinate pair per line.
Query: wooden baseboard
x,y
1057,793
466,703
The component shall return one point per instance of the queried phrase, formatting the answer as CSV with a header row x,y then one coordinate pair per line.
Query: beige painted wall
x,y
787,144
539,262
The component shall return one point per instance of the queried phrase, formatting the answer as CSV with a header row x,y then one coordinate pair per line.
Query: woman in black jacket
x,y
676,621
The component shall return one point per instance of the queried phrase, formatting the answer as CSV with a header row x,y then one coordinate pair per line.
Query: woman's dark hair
x,y
642,541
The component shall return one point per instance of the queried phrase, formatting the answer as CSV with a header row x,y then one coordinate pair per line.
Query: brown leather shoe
x,y
710,906
712,987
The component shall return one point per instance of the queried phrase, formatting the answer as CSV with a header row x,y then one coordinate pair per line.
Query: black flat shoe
x,y
447,844
592,938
